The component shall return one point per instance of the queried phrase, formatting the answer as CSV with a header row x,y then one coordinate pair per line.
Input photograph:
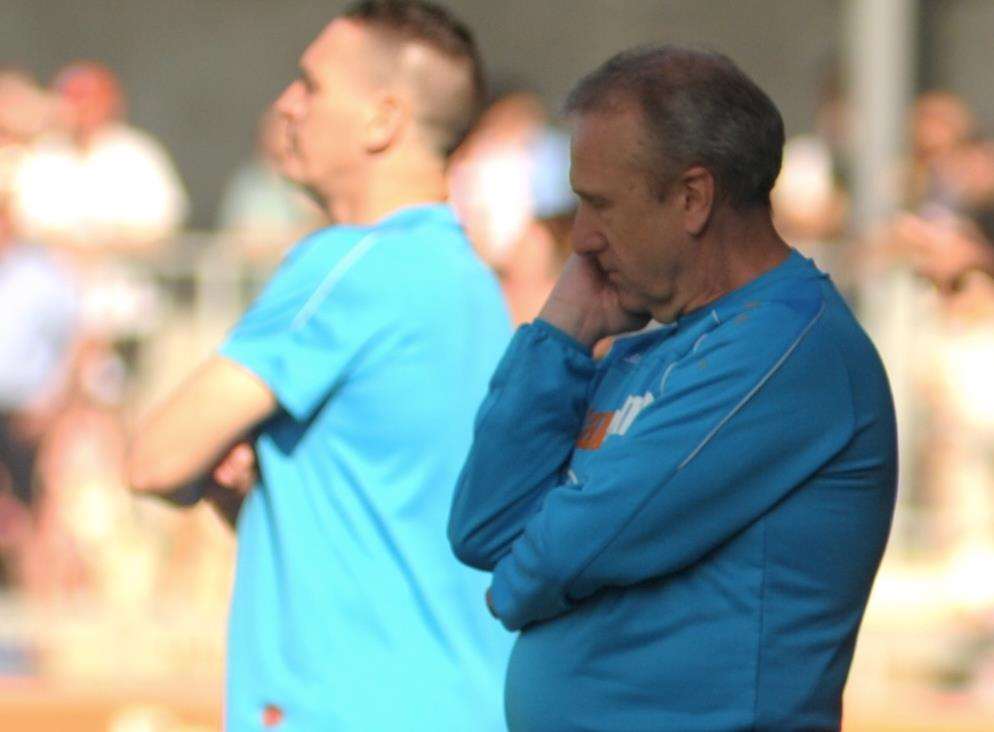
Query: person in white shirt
x,y
101,183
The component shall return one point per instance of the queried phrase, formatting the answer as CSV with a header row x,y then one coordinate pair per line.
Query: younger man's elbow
x,y
144,474
142,480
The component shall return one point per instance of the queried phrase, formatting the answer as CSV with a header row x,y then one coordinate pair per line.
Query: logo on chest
x,y
598,425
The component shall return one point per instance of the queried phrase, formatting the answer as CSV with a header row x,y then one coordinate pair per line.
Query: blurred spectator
x,y
941,125
81,499
91,542
97,182
510,184
39,302
25,112
37,332
949,228
810,202
945,251
260,208
944,234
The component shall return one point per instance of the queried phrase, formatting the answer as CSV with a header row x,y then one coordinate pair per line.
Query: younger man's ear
x,y
386,122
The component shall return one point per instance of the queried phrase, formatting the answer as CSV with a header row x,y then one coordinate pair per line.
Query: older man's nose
x,y
585,237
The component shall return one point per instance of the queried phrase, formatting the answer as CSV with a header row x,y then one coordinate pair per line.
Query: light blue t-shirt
x,y
687,531
349,611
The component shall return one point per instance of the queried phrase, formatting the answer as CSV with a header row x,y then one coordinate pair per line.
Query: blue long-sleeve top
x,y
686,532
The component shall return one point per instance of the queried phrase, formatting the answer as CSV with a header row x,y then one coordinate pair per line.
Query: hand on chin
x,y
589,305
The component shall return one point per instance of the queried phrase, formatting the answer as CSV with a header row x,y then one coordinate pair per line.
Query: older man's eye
x,y
595,202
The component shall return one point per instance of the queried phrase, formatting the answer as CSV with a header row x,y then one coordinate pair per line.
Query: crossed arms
x,y
175,449
713,452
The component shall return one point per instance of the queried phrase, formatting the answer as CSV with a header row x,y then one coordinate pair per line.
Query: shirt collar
x,y
794,266
419,213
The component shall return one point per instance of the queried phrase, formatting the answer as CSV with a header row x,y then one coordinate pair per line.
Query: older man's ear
x,y
697,189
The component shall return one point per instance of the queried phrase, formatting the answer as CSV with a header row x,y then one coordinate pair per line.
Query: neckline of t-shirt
x,y
440,210
795,264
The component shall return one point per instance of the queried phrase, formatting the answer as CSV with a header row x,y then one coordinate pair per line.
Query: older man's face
x,y
636,238
327,107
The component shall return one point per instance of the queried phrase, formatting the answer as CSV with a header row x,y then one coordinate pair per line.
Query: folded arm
x,y
738,426
177,445
524,435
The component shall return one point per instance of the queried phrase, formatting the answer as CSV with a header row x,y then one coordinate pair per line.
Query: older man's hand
x,y
585,305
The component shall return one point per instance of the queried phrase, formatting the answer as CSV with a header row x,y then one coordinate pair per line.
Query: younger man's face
x,y
328,106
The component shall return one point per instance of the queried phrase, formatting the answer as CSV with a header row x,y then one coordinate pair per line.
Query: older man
x,y
686,531
360,365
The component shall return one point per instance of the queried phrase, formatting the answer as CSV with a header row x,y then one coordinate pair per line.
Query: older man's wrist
x,y
571,323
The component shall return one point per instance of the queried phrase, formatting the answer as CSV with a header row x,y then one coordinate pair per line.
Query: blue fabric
x,y
685,533
349,612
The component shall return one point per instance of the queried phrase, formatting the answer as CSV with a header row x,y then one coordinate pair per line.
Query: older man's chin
x,y
632,304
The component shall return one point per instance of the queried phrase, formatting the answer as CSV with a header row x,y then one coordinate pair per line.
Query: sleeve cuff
x,y
501,606
260,369
518,601
546,328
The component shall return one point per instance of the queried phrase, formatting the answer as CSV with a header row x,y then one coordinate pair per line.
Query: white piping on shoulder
x,y
752,392
332,278
666,376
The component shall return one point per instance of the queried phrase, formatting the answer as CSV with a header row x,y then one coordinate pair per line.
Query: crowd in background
x,y
104,298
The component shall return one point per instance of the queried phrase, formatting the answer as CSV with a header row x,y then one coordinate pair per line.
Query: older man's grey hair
x,y
698,108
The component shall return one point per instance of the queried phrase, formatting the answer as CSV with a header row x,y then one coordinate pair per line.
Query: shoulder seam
x,y
334,276
752,392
